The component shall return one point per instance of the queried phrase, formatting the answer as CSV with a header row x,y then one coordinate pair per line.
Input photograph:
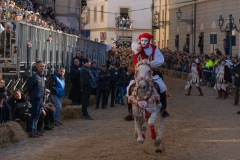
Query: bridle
x,y
151,95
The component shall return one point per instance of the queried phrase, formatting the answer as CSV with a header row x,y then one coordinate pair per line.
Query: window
x,y
123,20
102,13
95,14
124,13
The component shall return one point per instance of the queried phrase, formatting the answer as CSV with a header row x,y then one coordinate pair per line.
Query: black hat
x,y
104,65
85,60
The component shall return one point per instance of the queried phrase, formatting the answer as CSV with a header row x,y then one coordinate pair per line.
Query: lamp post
x,y
230,26
152,30
191,22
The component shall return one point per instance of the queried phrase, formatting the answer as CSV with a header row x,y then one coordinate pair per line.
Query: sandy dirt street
x,y
199,128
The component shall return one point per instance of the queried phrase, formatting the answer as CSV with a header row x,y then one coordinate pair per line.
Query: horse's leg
x,y
138,130
152,119
160,132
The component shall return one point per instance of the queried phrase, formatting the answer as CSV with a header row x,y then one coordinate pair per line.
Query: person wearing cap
x,y
87,83
223,76
145,49
196,74
103,86
112,82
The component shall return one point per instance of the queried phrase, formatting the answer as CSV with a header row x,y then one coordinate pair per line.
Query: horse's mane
x,y
144,61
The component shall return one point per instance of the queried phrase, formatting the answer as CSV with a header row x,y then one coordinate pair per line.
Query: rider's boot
x,y
163,100
223,94
189,91
200,91
219,94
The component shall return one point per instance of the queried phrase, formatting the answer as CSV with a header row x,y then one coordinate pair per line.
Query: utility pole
x,y
165,25
152,20
80,16
194,23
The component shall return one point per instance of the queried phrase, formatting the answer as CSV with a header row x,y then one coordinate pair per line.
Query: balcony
x,y
123,24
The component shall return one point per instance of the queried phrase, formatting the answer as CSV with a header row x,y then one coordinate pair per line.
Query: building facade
x,y
162,14
207,33
117,23
67,12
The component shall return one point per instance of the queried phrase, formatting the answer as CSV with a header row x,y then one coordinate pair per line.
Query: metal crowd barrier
x,y
31,43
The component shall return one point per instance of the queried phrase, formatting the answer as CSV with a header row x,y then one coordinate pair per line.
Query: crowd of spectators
x,y
37,106
181,61
110,78
34,12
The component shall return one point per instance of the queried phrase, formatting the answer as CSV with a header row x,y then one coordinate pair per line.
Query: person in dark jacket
x,y
36,91
49,109
122,82
5,109
94,69
22,108
79,56
57,88
112,82
103,86
75,94
236,73
87,81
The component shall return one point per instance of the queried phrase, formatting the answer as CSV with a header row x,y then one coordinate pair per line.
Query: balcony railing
x,y
122,23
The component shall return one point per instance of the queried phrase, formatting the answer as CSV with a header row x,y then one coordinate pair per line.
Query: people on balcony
x,y
123,22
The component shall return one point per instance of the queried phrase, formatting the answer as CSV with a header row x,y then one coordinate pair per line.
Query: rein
x,y
151,95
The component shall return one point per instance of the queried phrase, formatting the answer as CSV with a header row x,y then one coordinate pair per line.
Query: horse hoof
x,y
140,140
144,129
158,150
157,141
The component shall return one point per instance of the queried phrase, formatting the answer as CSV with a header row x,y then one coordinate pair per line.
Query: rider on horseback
x,y
145,49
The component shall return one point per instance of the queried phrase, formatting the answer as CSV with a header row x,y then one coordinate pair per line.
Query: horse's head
x,y
143,77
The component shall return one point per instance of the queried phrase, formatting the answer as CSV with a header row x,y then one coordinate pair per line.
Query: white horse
x,y
146,104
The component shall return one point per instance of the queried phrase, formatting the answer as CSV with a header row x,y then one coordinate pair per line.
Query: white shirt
x,y
158,56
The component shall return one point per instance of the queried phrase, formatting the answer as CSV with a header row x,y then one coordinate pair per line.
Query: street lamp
x,y
158,23
191,22
179,14
230,26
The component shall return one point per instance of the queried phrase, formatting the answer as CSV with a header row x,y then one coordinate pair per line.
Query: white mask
x,y
144,42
